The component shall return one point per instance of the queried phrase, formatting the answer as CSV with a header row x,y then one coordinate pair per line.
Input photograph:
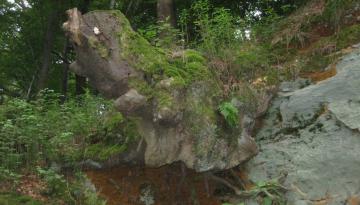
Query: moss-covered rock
x,y
173,97
99,47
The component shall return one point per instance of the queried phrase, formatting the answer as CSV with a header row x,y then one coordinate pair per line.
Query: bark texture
x,y
166,11
46,55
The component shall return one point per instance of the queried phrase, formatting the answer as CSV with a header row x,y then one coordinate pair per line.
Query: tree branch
x,y
226,183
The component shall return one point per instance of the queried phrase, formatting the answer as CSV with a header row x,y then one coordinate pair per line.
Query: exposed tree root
x,y
271,189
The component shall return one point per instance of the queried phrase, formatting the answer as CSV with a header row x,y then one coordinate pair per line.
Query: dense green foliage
x,y
43,129
230,113
46,131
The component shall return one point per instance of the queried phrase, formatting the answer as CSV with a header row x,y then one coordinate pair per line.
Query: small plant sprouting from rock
x,y
230,113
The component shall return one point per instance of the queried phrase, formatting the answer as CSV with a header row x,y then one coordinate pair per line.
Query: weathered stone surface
x,y
304,105
347,111
312,134
130,101
173,99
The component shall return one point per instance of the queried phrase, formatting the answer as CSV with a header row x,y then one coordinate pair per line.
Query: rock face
x,y
312,135
173,100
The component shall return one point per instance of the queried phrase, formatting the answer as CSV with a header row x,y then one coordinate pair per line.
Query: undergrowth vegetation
x,y
36,135
45,130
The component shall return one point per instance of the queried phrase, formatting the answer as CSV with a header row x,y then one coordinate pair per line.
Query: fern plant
x,y
230,113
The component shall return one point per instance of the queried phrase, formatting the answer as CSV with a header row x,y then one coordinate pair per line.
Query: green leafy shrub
x,y
161,35
56,183
230,113
216,27
68,191
250,61
45,130
35,134
9,177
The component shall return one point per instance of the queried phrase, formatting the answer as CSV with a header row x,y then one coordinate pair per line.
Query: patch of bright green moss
x,y
138,51
142,87
164,98
153,61
189,68
14,199
196,70
194,56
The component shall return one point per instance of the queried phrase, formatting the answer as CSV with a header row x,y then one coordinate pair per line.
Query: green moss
x,y
207,111
142,87
189,68
14,199
164,98
196,70
194,56
154,62
99,47
138,51
200,115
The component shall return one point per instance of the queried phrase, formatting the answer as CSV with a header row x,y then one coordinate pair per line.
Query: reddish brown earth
x,y
121,185
320,76
354,200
